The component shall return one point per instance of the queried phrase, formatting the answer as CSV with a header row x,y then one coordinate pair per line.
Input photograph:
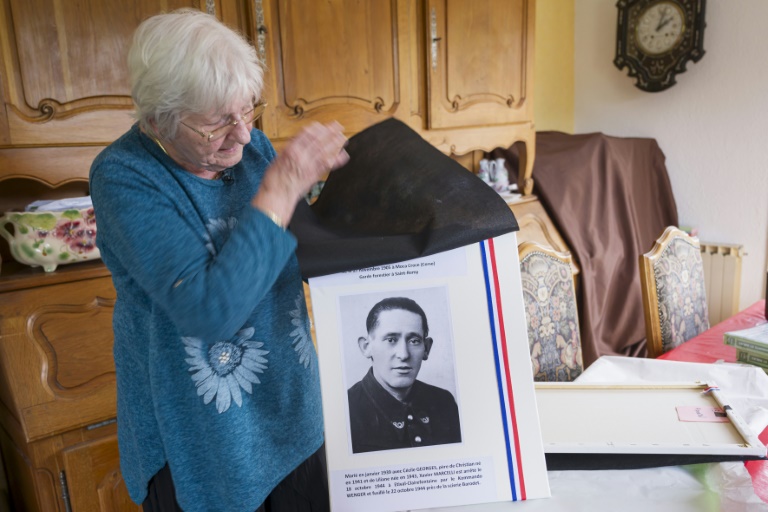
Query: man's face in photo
x,y
397,347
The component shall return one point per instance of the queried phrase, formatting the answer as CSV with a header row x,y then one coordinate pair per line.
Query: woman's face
x,y
195,153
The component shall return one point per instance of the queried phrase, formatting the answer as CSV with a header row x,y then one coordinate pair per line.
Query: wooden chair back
x,y
674,296
549,296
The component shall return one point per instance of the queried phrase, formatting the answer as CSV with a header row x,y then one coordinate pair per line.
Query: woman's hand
x,y
308,157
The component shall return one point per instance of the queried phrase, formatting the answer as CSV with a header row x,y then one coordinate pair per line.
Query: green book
x,y
753,339
744,356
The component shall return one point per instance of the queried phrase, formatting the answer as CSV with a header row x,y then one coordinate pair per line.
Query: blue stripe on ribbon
x,y
499,378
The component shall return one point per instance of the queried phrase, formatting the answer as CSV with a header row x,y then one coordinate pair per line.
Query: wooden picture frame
x,y
639,419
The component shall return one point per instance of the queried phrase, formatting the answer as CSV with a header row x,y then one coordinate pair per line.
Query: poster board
x,y
670,419
472,299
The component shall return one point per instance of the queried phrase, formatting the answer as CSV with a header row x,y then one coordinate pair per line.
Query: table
x,y
669,489
708,347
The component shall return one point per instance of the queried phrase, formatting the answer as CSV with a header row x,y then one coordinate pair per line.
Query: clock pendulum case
x,y
655,39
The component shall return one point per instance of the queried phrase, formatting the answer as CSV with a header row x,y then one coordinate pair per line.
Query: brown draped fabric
x,y
610,198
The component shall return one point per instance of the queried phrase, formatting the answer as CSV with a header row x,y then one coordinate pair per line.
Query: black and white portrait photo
x,y
400,369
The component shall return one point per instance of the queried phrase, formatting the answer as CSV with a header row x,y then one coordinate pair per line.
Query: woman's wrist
x,y
276,206
274,218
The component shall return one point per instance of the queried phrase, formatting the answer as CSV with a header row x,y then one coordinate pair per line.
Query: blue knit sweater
x,y
216,371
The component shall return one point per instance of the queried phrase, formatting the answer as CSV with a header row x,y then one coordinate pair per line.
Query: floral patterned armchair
x,y
674,297
550,309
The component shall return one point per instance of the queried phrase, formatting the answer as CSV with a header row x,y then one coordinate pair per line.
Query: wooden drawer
x,y
93,477
56,364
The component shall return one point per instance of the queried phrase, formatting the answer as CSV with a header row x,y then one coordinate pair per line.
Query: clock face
x,y
660,28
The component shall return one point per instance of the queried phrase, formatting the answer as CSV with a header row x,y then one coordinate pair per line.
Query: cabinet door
x,y
480,62
93,477
330,60
56,353
63,68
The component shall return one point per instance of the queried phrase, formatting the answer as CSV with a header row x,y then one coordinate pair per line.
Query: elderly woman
x,y
217,383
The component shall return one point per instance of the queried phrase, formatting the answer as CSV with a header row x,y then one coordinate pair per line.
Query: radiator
x,y
722,277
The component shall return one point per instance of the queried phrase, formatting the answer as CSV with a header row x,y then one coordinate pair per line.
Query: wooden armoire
x,y
460,73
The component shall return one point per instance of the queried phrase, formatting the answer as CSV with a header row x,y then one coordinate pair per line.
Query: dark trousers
x,y
305,489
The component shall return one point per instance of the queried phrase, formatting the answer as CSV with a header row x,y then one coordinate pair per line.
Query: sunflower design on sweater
x,y
302,339
218,231
225,368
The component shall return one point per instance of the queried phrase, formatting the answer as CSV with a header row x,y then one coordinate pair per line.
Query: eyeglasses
x,y
219,133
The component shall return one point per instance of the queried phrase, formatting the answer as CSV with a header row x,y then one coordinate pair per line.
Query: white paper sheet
x,y
59,205
472,298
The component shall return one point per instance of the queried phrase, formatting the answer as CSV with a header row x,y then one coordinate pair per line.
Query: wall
x,y
553,64
711,125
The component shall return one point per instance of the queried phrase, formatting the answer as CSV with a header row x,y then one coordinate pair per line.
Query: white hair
x,y
188,62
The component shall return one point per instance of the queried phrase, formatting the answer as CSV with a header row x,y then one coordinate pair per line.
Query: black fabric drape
x,y
398,198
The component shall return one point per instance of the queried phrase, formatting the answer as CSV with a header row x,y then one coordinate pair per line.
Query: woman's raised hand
x,y
305,160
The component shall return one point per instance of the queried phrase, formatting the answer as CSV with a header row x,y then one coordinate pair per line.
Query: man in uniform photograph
x,y
389,408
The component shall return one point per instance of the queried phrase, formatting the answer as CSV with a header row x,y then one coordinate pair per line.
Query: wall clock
x,y
656,39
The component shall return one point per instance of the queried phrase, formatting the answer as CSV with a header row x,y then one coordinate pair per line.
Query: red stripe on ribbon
x,y
503,338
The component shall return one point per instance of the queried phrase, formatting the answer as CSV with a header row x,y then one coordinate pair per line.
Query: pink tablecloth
x,y
708,347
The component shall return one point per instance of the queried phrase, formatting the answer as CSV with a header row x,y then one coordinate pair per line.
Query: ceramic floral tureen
x,y
49,239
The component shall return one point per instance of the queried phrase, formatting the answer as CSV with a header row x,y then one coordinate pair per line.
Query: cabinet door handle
x,y
435,39
65,491
261,33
